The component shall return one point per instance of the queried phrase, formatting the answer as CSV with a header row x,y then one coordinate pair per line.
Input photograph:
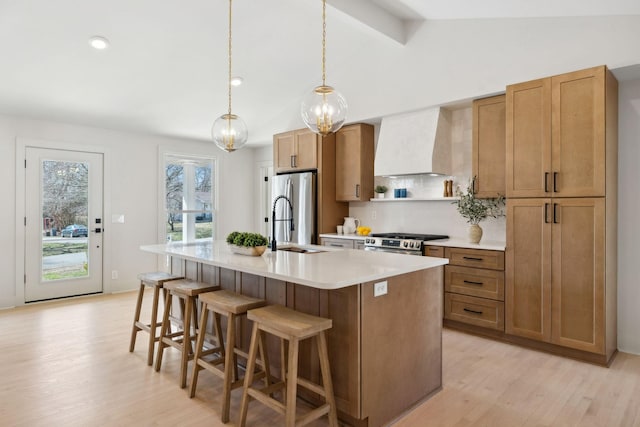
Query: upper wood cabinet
x,y
295,150
556,132
354,163
489,150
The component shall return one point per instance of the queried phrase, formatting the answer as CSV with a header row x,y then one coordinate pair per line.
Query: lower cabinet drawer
x,y
434,251
474,282
475,311
339,243
478,258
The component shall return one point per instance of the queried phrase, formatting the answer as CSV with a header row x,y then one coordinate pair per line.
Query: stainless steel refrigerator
x,y
300,190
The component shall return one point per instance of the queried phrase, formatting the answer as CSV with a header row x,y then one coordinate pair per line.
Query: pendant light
x,y
229,131
324,110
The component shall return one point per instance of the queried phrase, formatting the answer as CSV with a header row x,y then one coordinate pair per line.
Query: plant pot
x,y
475,233
248,250
379,195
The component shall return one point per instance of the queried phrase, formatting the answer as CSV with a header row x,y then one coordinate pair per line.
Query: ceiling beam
x,y
374,17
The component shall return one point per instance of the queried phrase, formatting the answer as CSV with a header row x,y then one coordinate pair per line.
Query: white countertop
x,y
331,269
453,242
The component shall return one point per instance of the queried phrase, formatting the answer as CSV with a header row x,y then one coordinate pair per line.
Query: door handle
x,y
546,216
546,182
555,213
468,310
357,190
555,182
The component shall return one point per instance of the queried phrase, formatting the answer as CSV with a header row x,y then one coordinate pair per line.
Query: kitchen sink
x,y
300,250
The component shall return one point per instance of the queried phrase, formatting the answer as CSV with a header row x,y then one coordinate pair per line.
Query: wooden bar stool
x,y
232,305
187,290
154,280
292,326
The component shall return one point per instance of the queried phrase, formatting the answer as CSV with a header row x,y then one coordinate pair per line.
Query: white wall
x,y
628,212
133,182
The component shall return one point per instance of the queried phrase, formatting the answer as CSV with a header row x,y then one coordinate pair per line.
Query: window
x,y
189,197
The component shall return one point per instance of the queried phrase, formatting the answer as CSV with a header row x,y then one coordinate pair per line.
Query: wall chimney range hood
x,y
414,143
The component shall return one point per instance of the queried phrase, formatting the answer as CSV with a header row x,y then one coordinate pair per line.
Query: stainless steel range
x,y
403,243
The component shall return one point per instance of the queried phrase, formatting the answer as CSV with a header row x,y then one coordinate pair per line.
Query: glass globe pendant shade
x,y
324,110
229,132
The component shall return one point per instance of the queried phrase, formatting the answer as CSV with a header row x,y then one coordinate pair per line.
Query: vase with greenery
x,y
476,210
246,243
380,190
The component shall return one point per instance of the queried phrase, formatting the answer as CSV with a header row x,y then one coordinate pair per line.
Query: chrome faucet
x,y
274,246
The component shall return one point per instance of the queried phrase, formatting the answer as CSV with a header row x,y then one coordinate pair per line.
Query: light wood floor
x,y
67,363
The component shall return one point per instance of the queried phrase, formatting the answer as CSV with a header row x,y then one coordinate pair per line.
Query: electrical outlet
x,y
380,289
373,214
114,274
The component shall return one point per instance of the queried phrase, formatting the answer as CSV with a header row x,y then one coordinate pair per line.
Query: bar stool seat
x,y
187,290
231,305
154,280
292,326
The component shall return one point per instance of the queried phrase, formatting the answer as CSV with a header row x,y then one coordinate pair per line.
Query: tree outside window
x,y
189,201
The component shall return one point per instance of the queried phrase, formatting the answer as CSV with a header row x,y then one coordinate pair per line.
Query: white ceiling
x,y
165,72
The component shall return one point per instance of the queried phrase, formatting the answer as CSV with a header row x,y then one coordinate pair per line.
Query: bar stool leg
x,y
200,342
163,329
323,355
248,378
136,318
153,324
230,367
262,346
292,383
186,342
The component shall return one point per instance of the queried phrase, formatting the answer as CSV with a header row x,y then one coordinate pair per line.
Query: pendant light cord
x,y
324,43
229,81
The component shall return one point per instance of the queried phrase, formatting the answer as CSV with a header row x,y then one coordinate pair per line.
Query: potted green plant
x,y
245,243
476,210
380,190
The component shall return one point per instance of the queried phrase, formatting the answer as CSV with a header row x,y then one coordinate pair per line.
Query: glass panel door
x,y
64,223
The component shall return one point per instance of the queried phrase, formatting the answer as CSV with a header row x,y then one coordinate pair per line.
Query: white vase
x,y
379,195
475,233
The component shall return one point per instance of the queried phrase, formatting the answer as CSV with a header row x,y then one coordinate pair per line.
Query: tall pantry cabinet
x,y
561,183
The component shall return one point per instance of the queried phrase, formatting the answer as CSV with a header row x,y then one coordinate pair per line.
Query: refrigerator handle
x,y
289,194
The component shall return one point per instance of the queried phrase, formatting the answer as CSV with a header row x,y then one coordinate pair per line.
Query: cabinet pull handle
x,y
337,245
468,310
555,213
555,182
291,160
473,283
546,182
546,213
295,160
357,190
472,258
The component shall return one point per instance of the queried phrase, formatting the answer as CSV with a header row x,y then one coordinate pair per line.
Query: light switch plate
x,y
117,219
380,289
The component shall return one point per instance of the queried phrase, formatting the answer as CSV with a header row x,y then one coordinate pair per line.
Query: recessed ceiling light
x,y
236,81
99,42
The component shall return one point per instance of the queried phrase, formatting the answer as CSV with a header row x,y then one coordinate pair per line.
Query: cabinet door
x,y
528,268
528,135
489,149
578,273
306,145
283,151
578,123
354,163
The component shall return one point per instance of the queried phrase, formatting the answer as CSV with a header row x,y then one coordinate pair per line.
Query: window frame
x,y
164,158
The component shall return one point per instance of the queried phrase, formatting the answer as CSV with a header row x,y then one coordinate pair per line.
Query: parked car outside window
x,y
75,230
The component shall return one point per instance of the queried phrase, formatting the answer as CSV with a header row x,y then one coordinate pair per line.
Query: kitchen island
x,y
385,346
